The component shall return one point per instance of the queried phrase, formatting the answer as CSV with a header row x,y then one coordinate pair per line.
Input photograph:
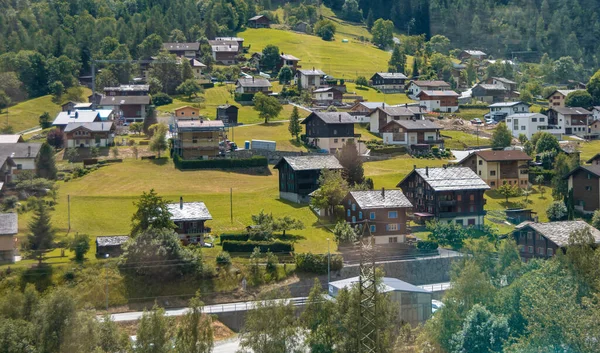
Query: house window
x,y
393,239
459,209
588,188
542,120
549,252
480,162
472,197
459,197
353,207
353,219
348,213
335,140
493,183
19,166
372,215
530,249
471,221
529,235
360,215
522,248
541,251
471,208
391,227
523,128
393,214
534,120
589,176
335,132
373,228
459,221
492,172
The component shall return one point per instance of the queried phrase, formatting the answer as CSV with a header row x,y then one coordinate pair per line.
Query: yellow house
x,y
198,139
500,167
8,229
187,112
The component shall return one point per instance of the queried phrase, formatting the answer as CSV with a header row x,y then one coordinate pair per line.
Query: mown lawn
x,y
331,57
390,172
461,140
497,202
589,149
470,114
277,132
102,202
372,95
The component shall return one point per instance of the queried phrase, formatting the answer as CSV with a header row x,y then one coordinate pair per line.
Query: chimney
x,y
414,166
383,192
252,78
405,105
383,105
445,166
427,171
28,151
181,202
340,117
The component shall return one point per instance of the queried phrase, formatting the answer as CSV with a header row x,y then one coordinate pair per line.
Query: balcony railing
x,y
444,203
197,230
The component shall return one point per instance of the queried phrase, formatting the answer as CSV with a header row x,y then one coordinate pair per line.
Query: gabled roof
x,y
125,100
474,52
526,115
189,211
82,106
373,199
187,107
594,169
391,75
499,156
448,93
326,89
412,125
181,46
311,162
504,80
129,88
430,83
94,127
331,117
253,82
199,125
230,39
312,72
221,46
289,57
104,113
491,87
196,63
507,104
11,138
400,110
111,240
571,110
257,17
84,116
227,106
449,179
9,224
564,92
559,232
591,160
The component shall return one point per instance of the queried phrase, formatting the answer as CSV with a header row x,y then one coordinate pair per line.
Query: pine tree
x,y
397,62
41,234
294,127
415,69
370,20
45,163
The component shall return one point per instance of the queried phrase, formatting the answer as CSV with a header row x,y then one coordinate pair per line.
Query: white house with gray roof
x,y
389,82
189,217
23,155
253,85
310,79
501,110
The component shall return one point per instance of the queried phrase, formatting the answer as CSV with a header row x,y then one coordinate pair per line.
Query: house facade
x,y
584,181
225,52
198,139
110,245
544,240
389,82
96,134
299,175
490,93
557,98
329,131
499,111
190,218
9,227
259,21
6,168
384,211
127,90
596,113
288,60
440,101
187,112
382,115
416,135
75,116
228,114
575,120
594,160
499,167
22,154
187,50
476,55
310,79
451,194
253,85
509,85
327,96
530,123
415,87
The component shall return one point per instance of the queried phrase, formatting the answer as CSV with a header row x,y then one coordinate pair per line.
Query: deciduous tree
x,y
80,245
154,332
158,142
267,107
383,33
557,211
332,190
581,99
501,137
189,88
195,332
270,57
152,212
397,62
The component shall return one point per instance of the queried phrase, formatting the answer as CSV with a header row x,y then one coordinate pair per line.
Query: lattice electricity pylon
x,y
368,294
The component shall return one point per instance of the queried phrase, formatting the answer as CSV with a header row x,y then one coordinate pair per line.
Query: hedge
x,y
244,97
427,245
207,85
473,106
264,246
222,163
389,150
317,263
235,237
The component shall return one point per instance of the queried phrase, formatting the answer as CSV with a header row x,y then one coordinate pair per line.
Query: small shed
x,y
415,302
228,114
110,245
519,215
260,21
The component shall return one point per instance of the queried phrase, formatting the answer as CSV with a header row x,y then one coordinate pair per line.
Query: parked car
x,y
476,121
491,122
435,305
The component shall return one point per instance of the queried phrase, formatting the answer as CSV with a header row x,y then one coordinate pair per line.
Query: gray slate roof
x,y
181,46
191,211
254,82
451,178
20,150
430,83
417,124
559,232
475,52
401,110
9,224
312,162
506,104
129,88
312,72
504,80
440,93
10,138
113,240
372,199
491,87
94,127
332,117
392,75
571,111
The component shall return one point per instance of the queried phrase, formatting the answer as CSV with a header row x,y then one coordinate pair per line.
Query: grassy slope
x,y
25,115
331,57
460,140
372,95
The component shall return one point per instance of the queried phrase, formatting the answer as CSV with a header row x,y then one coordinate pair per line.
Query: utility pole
x,y
231,204
328,264
368,338
106,273
69,210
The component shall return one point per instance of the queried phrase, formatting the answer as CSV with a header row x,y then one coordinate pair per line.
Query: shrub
x,y
317,263
427,245
263,246
80,245
161,99
10,202
234,237
223,258
225,163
